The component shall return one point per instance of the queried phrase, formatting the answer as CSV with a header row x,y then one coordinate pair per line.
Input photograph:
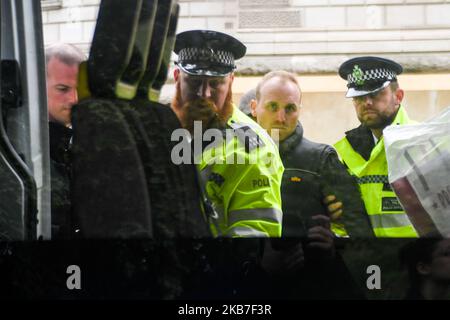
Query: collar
x,y
361,140
401,117
234,115
293,140
60,136
375,139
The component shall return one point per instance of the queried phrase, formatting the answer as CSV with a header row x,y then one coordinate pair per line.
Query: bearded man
x,y
377,97
240,171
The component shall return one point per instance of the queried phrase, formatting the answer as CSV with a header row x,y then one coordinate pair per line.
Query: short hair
x,y
394,85
246,99
64,52
283,75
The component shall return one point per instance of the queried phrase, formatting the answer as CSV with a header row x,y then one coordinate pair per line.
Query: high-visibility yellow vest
x,y
386,215
243,183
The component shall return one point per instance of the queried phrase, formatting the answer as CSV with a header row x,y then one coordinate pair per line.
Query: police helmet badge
x,y
358,75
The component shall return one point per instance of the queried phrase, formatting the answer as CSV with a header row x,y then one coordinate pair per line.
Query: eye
x,y
374,95
63,89
358,100
291,108
194,83
214,83
272,106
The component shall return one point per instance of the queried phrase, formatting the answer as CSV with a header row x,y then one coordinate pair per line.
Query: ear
x,y
231,78
423,269
253,105
399,94
176,74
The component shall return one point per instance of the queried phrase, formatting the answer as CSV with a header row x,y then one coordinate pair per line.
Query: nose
x,y
367,100
204,90
281,116
73,97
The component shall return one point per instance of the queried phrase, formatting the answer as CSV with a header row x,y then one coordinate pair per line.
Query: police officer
x,y
377,97
241,171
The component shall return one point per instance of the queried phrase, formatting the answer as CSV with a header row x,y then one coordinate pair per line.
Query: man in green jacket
x,y
240,168
377,97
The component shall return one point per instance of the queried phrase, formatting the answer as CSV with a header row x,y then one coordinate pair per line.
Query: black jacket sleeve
x,y
337,181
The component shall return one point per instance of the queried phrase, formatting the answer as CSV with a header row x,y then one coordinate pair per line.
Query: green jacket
x,y
242,181
368,163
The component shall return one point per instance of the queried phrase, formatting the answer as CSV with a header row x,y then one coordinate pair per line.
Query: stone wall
x,y
304,36
316,36
311,38
71,21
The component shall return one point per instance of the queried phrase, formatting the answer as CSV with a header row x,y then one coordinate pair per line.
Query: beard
x,y
380,122
376,120
204,110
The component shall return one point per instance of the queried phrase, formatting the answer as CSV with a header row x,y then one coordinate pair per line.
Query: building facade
x,y
311,38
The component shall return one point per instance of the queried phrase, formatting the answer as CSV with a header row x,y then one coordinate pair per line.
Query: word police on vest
x,y
261,183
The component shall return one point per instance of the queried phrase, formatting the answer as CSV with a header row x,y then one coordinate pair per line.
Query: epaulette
x,y
247,136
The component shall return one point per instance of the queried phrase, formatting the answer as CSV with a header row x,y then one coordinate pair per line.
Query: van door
x,y
24,151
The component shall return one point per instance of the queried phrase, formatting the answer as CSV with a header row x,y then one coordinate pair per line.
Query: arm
x,y
343,198
256,203
281,260
252,199
320,237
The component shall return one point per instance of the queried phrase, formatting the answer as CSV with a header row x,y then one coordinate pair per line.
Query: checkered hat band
x,y
373,74
225,58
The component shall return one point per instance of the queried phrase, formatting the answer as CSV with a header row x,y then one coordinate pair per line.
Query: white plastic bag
x,y
418,159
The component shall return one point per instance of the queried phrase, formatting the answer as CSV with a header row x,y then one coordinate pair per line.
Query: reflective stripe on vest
x,y
397,232
218,224
246,232
269,214
389,220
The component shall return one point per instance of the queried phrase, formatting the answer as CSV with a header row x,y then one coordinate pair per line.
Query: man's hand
x,y
283,261
320,236
334,207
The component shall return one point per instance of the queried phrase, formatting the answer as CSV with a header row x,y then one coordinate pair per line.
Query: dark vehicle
x,y
123,179
141,228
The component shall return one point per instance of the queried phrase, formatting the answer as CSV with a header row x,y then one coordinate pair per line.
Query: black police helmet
x,y
367,75
207,52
